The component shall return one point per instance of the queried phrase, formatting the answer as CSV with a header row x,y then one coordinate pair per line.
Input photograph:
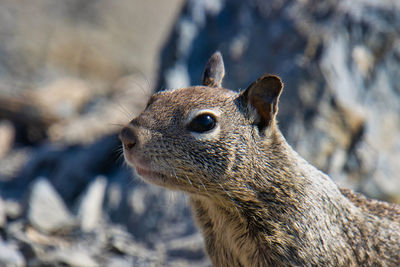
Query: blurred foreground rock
x,y
10,256
77,208
47,211
84,231
91,206
71,74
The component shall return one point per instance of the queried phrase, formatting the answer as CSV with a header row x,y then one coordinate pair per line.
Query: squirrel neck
x,y
282,205
276,180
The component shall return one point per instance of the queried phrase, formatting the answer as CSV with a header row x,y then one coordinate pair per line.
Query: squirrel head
x,y
195,139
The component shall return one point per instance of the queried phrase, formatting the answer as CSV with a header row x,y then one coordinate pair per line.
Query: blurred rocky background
x,y
73,72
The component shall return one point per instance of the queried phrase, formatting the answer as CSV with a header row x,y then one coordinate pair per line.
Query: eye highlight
x,y
202,123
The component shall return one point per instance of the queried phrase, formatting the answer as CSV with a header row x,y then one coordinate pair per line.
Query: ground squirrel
x,y
257,202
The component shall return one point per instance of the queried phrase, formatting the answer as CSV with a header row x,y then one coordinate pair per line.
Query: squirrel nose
x,y
128,137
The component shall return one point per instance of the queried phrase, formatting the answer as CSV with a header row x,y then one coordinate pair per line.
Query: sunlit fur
x,y
257,202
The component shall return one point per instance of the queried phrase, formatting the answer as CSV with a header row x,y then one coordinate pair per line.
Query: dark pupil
x,y
202,123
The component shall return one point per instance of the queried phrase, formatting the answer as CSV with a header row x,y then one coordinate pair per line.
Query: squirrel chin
x,y
145,172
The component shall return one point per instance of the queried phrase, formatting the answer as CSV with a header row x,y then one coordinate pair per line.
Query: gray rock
x,y
10,256
123,243
47,211
189,247
157,214
119,262
73,258
11,164
12,208
90,209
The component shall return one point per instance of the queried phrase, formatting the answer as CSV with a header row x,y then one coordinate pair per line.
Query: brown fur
x,y
256,200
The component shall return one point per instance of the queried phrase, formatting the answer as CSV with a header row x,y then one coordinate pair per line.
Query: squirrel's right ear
x,y
263,95
214,71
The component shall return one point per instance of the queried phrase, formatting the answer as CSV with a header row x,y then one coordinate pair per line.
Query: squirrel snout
x,y
128,137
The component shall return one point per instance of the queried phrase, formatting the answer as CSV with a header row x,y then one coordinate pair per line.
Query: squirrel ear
x,y
214,71
263,95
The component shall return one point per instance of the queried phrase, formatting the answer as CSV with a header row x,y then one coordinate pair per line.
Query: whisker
x,y
128,114
201,181
133,180
173,170
146,93
146,80
187,177
116,124
118,149
120,157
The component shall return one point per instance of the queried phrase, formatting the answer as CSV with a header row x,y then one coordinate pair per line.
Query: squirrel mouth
x,y
146,172
150,176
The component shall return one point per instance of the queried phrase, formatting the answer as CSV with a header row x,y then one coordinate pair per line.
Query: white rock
x,y
10,256
47,211
74,258
90,208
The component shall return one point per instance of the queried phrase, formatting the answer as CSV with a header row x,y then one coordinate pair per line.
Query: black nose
x,y
128,137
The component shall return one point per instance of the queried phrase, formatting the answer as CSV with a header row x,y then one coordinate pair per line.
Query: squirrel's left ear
x,y
263,95
214,71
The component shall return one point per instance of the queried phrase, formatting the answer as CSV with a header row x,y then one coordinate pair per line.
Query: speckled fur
x,y
257,202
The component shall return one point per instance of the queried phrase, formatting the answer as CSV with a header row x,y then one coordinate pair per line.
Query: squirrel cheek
x,y
208,136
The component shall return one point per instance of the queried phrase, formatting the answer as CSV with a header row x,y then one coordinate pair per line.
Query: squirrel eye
x,y
202,123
